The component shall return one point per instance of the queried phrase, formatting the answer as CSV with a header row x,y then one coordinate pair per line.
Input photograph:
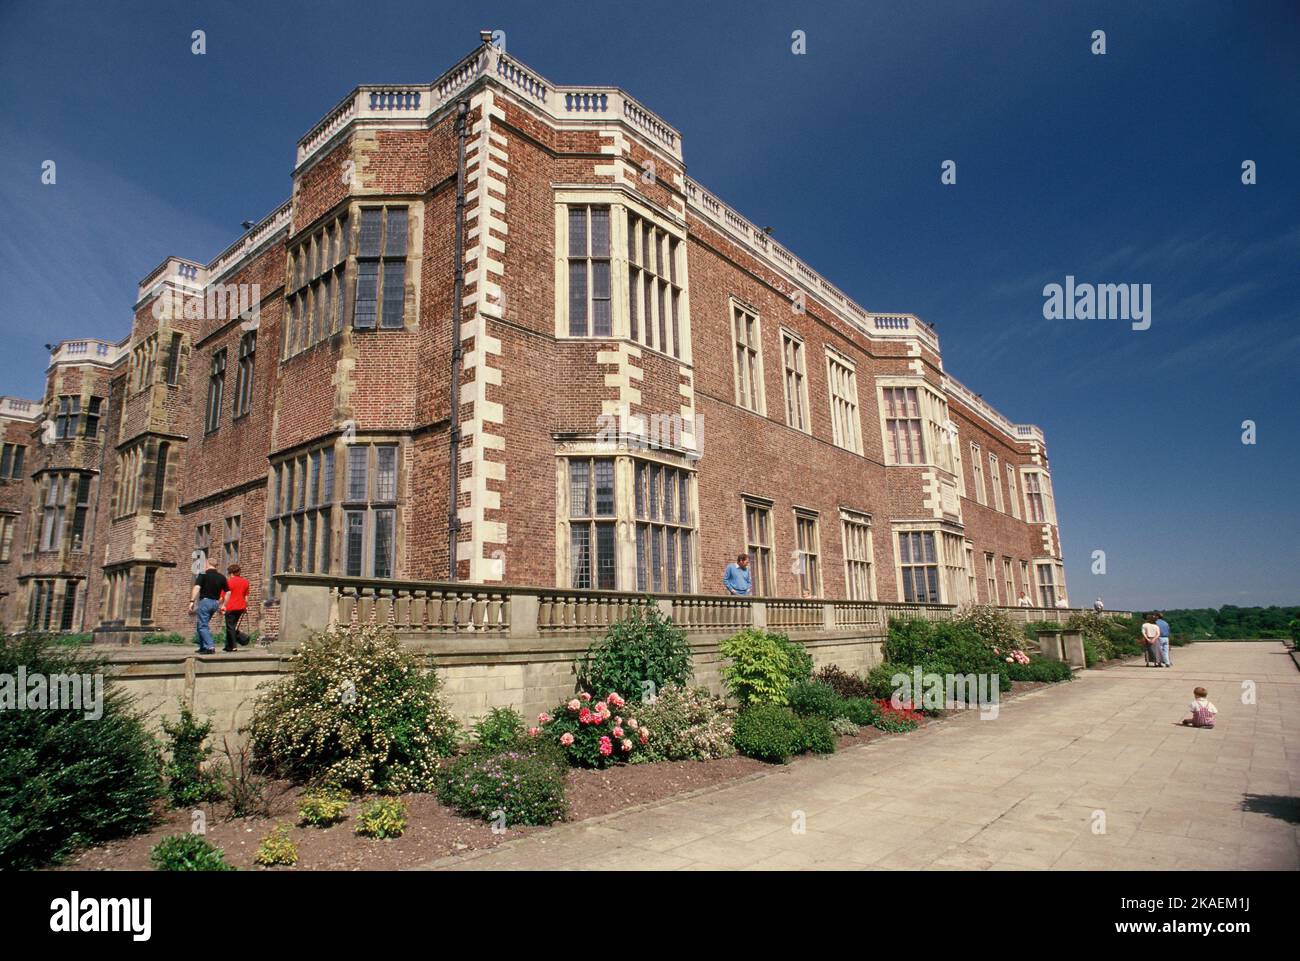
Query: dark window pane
x,y
367,284
579,489
355,542
600,231
580,552
384,543
605,556
395,239
577,298
357,465
605,488
371,223
577,231
394,292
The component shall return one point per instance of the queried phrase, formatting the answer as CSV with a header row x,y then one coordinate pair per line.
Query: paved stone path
x,y
1022,791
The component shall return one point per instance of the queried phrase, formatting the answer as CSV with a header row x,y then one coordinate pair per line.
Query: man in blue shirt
x,y
737,578
1163,659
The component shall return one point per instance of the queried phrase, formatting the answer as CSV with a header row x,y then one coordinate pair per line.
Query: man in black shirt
x,y
205,598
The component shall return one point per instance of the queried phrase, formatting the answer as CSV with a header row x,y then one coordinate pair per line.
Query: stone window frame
x,y
799,375
374,506
941,448
245,372
625,457
859,571
144,356
666,528
1045,512
1048,590
385,257
306,510
977,473
805,555
991,577
762,570
216,391
995,481
8,525
1009,580
67,416
11,461
749,379
953,561
626,204
848,413
1013,490
231,534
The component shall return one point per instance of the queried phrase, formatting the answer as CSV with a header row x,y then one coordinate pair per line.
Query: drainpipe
x,y
457,355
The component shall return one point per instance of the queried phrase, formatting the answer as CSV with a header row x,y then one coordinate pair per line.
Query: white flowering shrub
x,y
690,724
357,713
993,625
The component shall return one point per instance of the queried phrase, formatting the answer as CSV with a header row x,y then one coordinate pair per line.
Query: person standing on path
x,y
233,604
1098,606
1164,639
736,579
205,598
1150,641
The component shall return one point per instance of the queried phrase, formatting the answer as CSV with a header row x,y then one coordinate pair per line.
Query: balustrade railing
x,y
313,602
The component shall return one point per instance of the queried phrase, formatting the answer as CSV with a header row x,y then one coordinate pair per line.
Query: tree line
x,y
1230,622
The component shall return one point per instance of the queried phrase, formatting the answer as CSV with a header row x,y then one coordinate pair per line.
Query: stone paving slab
x,y
1027,791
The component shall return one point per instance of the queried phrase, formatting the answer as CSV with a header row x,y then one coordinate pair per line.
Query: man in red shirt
x,y
233,603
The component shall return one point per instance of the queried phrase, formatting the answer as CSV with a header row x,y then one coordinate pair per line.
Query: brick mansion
x,y
497,335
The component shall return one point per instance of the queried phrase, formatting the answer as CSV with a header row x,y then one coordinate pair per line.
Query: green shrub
x,y
1294,628
188,782
1041,669
323,808
687,724
759,669
842,682
813,699
519,787
800,661
638,655
942,647
65,780
277,848
170,638
769,732
842,726
817,735
357,712
861,711
1094,628
188,852
383,817
880,683
500,728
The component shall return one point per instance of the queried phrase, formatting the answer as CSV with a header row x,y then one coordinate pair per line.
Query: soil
x,y
432,830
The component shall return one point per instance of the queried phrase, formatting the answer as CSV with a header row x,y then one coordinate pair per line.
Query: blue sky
x,y
1122,168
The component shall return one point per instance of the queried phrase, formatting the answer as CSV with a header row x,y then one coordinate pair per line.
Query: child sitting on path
x,y
1203,712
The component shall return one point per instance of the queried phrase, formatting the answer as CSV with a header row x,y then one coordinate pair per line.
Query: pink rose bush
x,y
589,732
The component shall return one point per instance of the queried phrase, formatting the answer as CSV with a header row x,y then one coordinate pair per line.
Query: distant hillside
x,y
1229,622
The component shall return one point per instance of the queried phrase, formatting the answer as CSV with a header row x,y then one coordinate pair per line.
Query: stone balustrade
x,y
509,646
311,603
